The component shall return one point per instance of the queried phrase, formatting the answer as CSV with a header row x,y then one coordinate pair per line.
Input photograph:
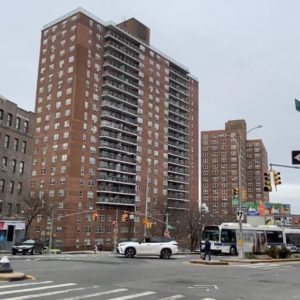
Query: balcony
x,y
120,87
117,157
118,146
116,188
178,120
179,73
120,97
178,161
115,199
179,137
122,59
111,177
118,126
122,79
178,80
178,179
118,117
177,187
177,88
179,104
177,170
127,42
118,136
122,49
174,127
116,167
177,96
110,63
119,107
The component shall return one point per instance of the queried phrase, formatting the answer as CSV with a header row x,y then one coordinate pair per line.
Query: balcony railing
x,y
121,67
122,59
123,50
122,39
120,107
117,146
120,97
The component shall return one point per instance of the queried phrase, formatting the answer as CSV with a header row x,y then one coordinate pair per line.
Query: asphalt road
x,y
107,277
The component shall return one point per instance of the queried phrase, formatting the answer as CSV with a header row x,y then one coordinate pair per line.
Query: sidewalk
x,y
229,261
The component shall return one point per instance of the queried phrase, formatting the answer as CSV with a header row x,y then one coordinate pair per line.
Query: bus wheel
x,y
233,251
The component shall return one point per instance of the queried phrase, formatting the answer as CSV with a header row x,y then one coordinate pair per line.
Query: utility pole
x,y
146,205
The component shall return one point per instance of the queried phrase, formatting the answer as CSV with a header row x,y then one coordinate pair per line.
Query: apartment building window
x,y
6,141
21,167
16,144
18,122
1,114
11,187
9,120
14,165
2,185
9,209
4,163
17,208
25,126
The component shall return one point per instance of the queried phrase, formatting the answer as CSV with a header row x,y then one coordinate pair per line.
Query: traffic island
x,y
12,276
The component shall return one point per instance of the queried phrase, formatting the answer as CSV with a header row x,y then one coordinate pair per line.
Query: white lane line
x,y
96,294
133,296
44,294
37,289
23,284
172,297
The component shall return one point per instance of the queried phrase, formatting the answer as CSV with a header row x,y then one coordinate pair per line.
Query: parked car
x,y
27,246
162,246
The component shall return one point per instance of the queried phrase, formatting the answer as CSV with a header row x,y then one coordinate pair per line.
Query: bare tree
x,y
34,206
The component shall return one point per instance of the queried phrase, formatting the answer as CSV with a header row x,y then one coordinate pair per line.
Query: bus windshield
x,y
211,234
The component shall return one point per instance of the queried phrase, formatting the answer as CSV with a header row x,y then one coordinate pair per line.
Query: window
x,y
25,126
2,185
21,167
11,187
18,122
1,114
14,165
6,141
20,185
16,144
9,120
4,163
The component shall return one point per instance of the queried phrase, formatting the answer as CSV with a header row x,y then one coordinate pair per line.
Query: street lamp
x,y
239,147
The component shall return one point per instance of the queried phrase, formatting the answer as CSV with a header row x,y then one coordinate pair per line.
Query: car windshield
x,y
28,242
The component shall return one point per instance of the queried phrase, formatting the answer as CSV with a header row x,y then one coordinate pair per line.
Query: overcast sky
x,y
245,54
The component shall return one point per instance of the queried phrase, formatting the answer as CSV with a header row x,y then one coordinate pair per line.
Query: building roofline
x,y
110,23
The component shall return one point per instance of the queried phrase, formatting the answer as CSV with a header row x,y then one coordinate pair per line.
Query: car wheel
x,y
14,253
33,251
233,251
130,252
165,253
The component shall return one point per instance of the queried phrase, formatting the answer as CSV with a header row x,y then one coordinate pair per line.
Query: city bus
x,y
292,238
223,238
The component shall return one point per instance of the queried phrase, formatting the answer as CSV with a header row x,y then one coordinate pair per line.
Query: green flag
x,y
297,104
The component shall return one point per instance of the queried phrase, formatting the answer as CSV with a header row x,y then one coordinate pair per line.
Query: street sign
x,y
235,201
296,157
240,215
170,227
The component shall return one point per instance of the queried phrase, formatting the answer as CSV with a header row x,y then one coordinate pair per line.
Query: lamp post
x,y
239,152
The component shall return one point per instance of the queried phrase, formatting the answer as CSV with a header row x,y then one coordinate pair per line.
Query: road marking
x,y
38,288
44,294
24,284
207,287
133,296
95,294
172,297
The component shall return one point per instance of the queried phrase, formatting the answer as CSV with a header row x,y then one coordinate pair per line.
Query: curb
x,y
211,263
256,261
12,276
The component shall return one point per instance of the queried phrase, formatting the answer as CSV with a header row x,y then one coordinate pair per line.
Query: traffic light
x,y
244,194
95,217
124,217
267,182
277,178
235,193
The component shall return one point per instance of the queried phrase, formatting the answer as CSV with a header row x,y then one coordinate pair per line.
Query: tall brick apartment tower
x,y
116,131
221,167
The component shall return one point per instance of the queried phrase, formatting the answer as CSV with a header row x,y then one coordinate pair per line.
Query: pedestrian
x,y
95,249
100,248
207,250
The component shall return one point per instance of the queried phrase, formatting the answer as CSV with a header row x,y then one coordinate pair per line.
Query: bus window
x,y
211,233
293,239
274,237
228,236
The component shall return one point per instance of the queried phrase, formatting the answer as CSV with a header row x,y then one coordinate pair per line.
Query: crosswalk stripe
x,y
44,294
172,297
24,284
96,294
133,296
37,289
